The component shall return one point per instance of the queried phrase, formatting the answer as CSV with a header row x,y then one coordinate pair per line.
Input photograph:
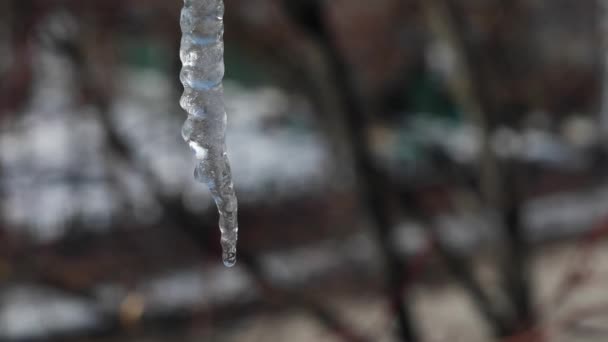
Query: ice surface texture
x,y
202,56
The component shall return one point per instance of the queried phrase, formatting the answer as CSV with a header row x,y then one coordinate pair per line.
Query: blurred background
x,y
408,170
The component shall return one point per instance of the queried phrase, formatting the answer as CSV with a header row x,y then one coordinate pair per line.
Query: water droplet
x,y
229,258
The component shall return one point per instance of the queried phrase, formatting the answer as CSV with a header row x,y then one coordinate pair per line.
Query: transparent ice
x,y
202,56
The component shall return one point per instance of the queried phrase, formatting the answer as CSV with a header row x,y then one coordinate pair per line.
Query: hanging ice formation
x,y
202,56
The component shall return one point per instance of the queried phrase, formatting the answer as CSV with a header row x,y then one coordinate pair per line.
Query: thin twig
x,y
371,185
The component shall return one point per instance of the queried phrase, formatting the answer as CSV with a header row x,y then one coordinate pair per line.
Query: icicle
x,y
202,56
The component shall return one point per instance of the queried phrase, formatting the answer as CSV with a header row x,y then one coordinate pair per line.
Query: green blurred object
x,y
428,95
146,54
242,70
